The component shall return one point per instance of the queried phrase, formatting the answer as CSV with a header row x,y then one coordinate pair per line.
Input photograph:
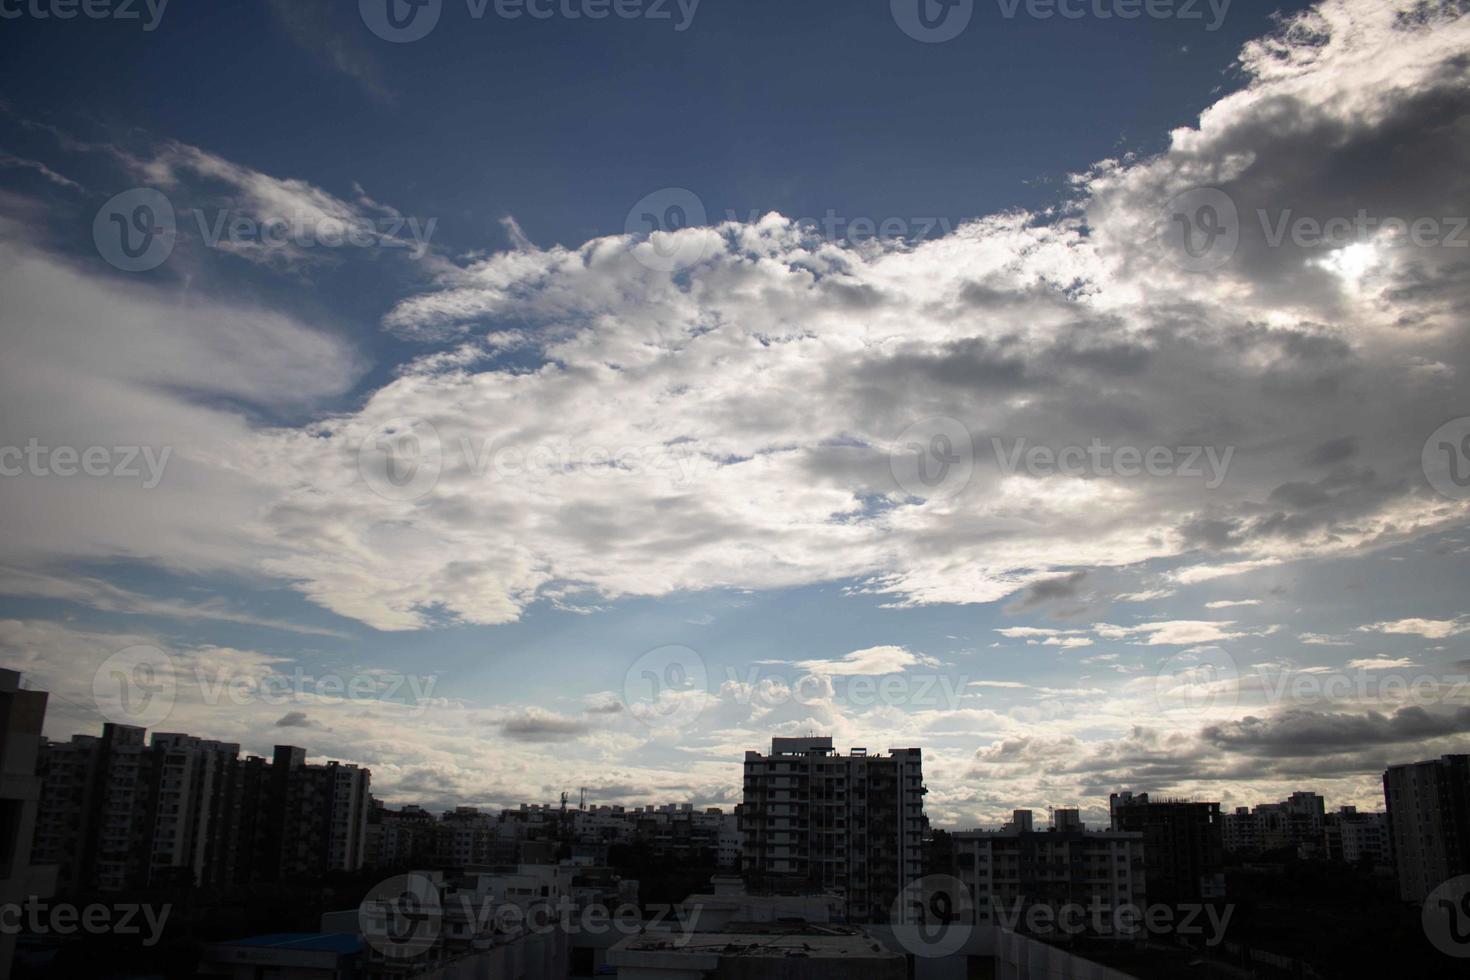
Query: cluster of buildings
x,y
825,844
120,811
413,837
1301,822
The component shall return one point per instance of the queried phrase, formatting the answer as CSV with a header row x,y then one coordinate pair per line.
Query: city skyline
x,y
577,798
369,409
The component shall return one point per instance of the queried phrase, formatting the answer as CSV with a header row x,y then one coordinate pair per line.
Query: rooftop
x,y
772,940
326,942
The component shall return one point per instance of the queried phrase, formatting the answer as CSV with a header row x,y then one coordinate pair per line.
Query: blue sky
x,y
761,384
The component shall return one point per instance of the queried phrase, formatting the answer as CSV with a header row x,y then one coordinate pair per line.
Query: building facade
x,y
22,714
1358,838
1008,871
815,820
1297,822
1183,845
118,812
1429,822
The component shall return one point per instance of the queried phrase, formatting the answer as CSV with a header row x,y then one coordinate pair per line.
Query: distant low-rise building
x,y
754,952
1358,838
1008,871
1296,822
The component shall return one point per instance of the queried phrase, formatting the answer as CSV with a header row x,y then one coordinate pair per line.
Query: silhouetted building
x,y
1296,822
815,820
22,714
1429,822
1357,838
1009,871
1183,845
116,813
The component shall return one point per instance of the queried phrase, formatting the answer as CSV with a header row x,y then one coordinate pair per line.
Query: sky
x,y
523,397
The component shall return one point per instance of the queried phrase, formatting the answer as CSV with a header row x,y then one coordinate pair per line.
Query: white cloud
x,y
1381,663
1324,640
1433,629
873,661
731,423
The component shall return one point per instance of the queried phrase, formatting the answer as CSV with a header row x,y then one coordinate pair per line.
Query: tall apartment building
x,y
21,716
1183,845
317,816
1010,870
1429,822
815,820
117,812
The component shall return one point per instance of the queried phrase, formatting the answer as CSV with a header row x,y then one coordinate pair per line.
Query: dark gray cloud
x,y
1048,590
536,726
1303,732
